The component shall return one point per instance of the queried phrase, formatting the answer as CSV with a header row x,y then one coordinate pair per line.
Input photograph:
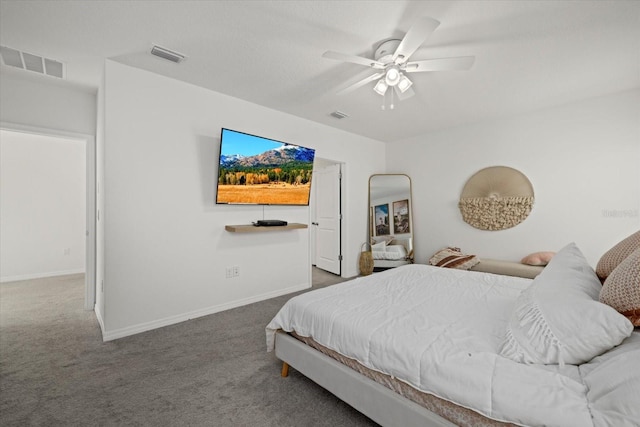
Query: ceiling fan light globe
x,y
392,76
381,87
404,84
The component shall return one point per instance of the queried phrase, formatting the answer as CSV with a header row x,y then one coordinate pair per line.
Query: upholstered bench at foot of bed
x,y
507,268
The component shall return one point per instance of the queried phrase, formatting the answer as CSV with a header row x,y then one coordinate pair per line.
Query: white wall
x,y
582,159
42,215
45,102
166,249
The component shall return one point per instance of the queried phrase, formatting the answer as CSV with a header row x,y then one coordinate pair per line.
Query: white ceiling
x,y
529,54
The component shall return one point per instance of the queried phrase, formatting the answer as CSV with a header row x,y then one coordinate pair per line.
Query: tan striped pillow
x,y
621,290
614,256
453,258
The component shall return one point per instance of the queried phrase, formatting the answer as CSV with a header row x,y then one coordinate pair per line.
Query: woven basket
x,y
366,260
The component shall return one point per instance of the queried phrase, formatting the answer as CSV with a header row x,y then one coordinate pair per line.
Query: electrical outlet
x,y
229,272
67,251
236,271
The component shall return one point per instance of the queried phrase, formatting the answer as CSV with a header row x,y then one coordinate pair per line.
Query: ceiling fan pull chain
x,y
391,106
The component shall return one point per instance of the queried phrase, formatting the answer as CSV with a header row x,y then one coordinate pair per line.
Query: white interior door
x,y
328,218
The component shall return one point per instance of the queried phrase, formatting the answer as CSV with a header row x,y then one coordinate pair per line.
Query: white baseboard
x,y
98,312
4,279
148,326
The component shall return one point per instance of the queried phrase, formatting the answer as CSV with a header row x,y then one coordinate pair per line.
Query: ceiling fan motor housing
x,y
385,50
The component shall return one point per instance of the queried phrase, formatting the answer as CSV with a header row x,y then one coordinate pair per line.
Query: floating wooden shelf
x,y
250,228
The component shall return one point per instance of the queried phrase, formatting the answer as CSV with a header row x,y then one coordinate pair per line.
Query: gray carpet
x,y
212,371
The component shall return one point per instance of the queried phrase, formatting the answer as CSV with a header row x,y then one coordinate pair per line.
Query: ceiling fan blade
x,y
360,83
353,59
416,35
441,64
404,95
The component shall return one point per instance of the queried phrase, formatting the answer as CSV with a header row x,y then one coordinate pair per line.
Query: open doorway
x,y
326,216
48,205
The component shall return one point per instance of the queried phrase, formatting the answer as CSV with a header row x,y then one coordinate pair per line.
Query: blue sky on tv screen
x,y
245,145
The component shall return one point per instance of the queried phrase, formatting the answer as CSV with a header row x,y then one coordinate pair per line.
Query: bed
x,y
391,254
422,345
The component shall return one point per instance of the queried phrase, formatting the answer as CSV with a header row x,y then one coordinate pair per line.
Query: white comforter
x,y
440,330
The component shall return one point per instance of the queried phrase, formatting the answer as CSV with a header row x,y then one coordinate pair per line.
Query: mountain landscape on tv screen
x,y
278,176
284,155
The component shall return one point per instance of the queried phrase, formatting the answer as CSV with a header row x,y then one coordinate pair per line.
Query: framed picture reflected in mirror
x,y
401,218
381,216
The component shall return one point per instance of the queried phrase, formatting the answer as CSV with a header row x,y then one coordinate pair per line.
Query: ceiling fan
x,y
391,62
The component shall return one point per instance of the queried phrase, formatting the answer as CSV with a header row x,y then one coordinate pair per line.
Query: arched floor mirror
x,y
390,220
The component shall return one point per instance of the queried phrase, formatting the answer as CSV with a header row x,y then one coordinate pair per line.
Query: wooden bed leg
x,y
285,369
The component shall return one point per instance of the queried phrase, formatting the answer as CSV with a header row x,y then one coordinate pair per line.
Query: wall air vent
x,y
339,115
31,62
167,54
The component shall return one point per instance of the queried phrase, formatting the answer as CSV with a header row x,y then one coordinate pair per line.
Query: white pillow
x,y
391,253
380,239
379,247
558,318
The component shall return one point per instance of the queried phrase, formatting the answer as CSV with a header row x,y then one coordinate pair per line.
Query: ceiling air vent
x,y
339,115
167,54
31,62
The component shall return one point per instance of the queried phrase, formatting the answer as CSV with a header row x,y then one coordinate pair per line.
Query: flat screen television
x,y
261,171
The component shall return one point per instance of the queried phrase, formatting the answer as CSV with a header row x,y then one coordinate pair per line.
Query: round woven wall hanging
x,y
496,198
